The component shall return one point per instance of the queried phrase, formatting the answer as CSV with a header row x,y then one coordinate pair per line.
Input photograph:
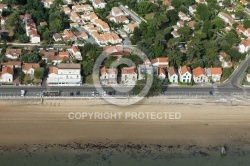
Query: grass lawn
x,y
149,16
89,79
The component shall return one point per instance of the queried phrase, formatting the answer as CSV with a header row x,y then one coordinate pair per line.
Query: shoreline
x,y
43,134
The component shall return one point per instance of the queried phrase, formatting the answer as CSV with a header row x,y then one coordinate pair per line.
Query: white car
x,y
22,93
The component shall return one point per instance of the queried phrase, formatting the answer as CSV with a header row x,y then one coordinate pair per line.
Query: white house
x,y
160,62
76,52
183,16
224,63
192,8
6,74
108,76
226,18
248,77
65,75
244,2
99,4
47,3
129,28
3,20
129,75
172,75
2,7
69,1
102,25
29,68
175,34
200,75
31,31
57,37
12,64
247,32
145,69
201,1
185,74
215,73
12,53
116,12
244,46
161,73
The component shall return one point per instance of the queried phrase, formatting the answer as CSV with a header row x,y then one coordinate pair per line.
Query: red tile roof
x,y
199,71
7,70
216,70
185,69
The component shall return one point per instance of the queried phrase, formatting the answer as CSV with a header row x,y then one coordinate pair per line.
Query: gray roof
x,y
143,69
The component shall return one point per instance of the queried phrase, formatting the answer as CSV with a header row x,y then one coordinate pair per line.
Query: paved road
x,y
247,11
133,16
87,90
38,44
236,78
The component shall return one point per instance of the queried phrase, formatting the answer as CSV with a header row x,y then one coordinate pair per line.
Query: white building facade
x,y
65,75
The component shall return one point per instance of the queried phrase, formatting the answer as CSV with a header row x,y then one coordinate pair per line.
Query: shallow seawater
x,y
163,156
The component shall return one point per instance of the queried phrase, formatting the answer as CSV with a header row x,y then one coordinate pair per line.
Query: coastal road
x,y
87,90
235,79
37,44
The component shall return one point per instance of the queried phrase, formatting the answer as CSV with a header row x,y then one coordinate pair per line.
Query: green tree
x,y
21,77
226,72
144,7
87,67
109,61
176,3
33,58
227,3
155,89
240,14
185,31
218,23
23,38
203,12
246,23
13,20
235,54
39,73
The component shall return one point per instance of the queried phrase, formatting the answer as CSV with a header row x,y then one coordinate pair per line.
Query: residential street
x,y
133,16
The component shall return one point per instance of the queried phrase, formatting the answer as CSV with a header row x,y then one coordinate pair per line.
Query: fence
x,y
88,95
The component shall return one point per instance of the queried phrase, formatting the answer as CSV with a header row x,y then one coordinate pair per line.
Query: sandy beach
x,y
202,123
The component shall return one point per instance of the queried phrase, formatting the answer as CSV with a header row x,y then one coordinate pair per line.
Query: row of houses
x,y
31,29
159,67
67,74
7,73
54,56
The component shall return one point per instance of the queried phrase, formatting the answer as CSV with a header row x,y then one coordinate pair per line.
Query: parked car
x,y
23,93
